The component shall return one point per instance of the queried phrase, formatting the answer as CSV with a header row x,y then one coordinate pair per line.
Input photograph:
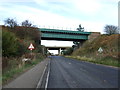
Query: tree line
x,y
16,38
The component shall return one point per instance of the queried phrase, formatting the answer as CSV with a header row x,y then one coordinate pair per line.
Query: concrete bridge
x,y
66,35
59,48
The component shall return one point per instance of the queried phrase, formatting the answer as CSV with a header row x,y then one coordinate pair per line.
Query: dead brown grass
x,y
109,44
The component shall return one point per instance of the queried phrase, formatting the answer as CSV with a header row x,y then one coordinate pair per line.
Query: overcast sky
x,y
93,15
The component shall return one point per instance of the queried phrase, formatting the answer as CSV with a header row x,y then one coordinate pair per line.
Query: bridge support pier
x,y
59,51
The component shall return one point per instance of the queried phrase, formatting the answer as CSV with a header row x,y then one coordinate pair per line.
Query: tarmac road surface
x,y
69,73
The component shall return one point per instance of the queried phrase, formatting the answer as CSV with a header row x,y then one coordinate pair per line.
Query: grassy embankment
x,y
109,56
15,42
16,69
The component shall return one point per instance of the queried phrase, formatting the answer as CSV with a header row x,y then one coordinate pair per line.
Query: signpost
x,y
31,47
100,50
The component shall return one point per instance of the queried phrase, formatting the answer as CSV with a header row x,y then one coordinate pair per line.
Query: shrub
x,y
9,43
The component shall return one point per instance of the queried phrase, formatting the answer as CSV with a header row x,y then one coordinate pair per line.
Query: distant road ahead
x,y
69,73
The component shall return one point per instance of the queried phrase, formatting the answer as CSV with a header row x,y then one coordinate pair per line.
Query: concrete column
x,y
59,51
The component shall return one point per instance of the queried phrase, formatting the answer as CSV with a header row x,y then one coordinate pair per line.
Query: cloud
x,y
87,6
94,10
75,6
7,1
41,17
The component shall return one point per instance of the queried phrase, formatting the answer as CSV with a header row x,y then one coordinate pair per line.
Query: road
x,y
70,73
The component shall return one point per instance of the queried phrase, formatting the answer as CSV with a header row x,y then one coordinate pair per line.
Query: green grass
x,y
105,61
7,75
0,79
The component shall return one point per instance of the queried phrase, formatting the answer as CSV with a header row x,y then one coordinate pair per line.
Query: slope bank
x,y
110,54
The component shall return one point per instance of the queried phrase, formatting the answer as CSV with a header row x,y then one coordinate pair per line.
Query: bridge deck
x,y
54,34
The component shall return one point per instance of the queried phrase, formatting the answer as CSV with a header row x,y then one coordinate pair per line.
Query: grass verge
x,y
105,61
10,74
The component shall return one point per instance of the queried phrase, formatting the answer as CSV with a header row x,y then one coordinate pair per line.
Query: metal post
x,y
43,50
59,51
31,51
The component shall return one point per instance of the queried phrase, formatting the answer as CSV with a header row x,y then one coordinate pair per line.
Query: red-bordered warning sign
x,y
31,47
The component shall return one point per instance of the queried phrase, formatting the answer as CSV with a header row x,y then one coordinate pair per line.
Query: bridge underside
x,y
61,39
57,48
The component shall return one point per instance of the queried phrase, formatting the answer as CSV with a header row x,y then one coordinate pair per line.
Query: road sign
x,y
31,47
100,50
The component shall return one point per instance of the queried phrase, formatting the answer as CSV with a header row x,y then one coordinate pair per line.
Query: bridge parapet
x,y
63,31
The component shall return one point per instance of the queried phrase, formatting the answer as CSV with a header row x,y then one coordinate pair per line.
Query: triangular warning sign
x,y
100,50
31,47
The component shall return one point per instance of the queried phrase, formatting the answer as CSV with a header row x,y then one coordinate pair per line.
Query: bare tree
x,y
80,28
10,22
111,29
27,23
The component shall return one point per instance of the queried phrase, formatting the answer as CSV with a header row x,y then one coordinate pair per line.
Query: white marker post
x,y
31,47
100,50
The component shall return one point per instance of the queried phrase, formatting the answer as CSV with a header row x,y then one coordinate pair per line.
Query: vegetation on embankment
x,y
15,43
105,61
109,56
16,68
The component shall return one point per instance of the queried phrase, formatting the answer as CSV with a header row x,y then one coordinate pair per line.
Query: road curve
x,y
70,73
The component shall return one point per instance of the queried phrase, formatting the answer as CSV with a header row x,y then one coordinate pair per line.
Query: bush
x,y
28,32
68,51
21,49
9,43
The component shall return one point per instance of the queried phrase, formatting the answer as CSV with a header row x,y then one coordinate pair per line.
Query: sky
x,y
93,15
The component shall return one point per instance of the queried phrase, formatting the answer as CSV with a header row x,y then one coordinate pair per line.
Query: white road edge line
x,y
39,83
46,85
